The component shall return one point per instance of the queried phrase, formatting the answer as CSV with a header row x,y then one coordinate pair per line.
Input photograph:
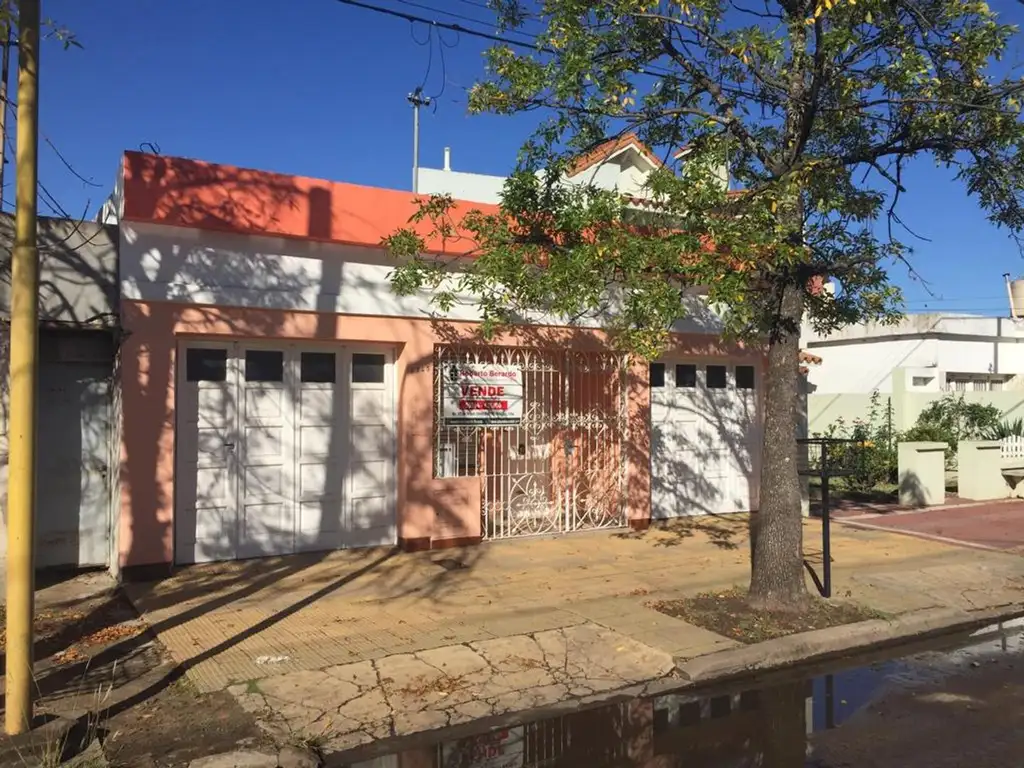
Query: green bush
x,y
1003,429
871,459
952,419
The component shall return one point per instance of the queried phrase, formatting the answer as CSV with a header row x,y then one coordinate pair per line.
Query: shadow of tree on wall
x,y
565,466
179,264
78,318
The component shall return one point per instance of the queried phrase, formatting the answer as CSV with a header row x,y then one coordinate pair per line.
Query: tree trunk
x,y
777,577
783,733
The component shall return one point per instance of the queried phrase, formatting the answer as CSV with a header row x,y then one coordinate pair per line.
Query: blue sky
x,y
317,88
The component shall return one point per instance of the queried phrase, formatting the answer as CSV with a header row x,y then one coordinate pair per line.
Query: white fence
x,y
1013,447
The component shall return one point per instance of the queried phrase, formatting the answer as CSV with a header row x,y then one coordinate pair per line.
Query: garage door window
x,y
716,376
744,377
657,374
686,376
317,368
264,365
368,369
206,364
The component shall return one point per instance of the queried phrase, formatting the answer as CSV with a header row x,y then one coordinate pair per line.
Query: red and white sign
x,y
498,749
482,395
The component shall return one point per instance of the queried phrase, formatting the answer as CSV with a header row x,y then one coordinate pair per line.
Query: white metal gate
x,y
563,468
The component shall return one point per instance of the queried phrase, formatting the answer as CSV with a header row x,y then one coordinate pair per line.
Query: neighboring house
x,y
622,164
77,400
278,396
913,363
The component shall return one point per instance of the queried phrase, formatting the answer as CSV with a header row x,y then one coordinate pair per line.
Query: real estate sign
x,y
482,395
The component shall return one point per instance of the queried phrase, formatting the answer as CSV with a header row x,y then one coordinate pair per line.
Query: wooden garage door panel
x,y
702,446
314,463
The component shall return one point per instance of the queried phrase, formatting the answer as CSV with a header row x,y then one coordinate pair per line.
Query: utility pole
x,y
417,99
21,478
5,76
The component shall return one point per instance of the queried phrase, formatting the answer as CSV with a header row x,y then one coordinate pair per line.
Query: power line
x,y
648,71
452,14
444,25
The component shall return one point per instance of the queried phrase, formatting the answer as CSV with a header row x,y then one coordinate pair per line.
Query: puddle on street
x,y
776,721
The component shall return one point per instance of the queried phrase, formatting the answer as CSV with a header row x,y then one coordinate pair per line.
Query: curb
x,y
824,644
857,523
803,651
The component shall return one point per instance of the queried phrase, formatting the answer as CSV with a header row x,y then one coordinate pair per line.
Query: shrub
x,y
1003,429
872,457
952,419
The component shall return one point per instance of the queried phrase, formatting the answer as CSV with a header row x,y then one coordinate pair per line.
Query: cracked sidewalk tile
x,y
311,688
361,674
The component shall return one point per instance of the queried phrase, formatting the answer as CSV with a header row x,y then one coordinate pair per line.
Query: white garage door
x,y
282,449
705,438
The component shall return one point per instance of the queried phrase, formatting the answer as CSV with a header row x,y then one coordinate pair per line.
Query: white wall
x,y
632,180
866,367
162,263
626,172
824,410
473,187
603,176
861,358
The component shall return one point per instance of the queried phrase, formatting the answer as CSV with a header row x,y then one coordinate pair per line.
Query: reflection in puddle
x,y
767,726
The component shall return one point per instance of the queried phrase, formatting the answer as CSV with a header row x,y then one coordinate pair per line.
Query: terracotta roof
x,y
606,149
807,359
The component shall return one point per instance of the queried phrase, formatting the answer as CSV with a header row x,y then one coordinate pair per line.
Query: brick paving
x,y
997,525
235,622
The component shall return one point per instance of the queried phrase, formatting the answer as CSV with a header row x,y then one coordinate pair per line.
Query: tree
x,y
814,107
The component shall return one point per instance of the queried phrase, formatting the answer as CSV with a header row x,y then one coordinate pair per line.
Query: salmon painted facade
x,y
278,397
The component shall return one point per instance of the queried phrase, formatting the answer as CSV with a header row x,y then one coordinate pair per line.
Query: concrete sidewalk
x,y
352,646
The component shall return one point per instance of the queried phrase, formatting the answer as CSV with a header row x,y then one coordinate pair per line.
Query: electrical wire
x,y
444,25
452,14
533,46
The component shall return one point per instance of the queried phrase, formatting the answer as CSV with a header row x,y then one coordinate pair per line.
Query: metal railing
x,y
826,458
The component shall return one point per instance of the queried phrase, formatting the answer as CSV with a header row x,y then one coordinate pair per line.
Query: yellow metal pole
x,y
21,480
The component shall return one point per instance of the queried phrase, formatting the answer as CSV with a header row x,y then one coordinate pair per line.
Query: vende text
x,y
478,391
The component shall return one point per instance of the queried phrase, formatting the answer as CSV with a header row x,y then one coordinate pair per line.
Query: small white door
x,y
73,495
206,478
371,448
266,511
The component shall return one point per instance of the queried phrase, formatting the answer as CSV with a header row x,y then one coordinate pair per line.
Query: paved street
x,y
351,646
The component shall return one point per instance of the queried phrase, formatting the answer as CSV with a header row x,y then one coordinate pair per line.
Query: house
x,y
914,362
78,443
621,164
277,397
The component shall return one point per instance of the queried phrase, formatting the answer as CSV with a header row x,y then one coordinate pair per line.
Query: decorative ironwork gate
x,y
563,467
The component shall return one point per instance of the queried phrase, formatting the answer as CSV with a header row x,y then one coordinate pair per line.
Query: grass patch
x,y
727,613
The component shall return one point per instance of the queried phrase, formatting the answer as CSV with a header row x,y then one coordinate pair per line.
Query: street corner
x,y
344,706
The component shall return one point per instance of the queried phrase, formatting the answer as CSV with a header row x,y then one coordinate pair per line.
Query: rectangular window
x,y
457,458
368,369
317,368
206,364
264,365
686,375
657,374
716,376
744,377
